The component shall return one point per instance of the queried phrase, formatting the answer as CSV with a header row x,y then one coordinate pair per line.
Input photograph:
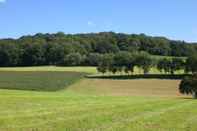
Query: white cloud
x,y
109,25
2,1
91,23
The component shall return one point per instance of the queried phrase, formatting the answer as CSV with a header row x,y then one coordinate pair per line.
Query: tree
x,y
55,53
167,65
191,63
189,86
33,54
124,61
161,65
144,61
73,59
51,49
10,54
113,69
129,67
102,69
105,47
176,64
105,63
93,59
121,60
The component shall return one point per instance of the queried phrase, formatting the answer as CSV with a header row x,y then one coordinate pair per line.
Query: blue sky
x,y
175,19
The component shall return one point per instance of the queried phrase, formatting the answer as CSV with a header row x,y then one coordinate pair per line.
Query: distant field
x,y
51,68
141,87
91,104
89,70
38,81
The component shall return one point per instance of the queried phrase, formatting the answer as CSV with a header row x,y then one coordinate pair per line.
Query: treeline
x,y
126,62
83,49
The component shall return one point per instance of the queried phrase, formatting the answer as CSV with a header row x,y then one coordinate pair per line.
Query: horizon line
x,y
75,33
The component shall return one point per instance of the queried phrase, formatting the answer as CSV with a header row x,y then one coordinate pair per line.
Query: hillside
x,y
84,49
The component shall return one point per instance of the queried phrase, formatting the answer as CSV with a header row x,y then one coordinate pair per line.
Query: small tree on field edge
x,y
189,86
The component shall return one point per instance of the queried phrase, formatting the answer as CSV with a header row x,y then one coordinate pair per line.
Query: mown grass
x,y
38,81
62,111
99,105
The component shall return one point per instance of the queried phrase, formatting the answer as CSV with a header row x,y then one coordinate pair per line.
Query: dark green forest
x,y
85,49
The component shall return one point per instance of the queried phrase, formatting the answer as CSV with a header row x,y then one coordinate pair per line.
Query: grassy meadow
x,y
90,104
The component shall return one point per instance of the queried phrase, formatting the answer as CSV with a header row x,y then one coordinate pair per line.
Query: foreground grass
x,y
60,111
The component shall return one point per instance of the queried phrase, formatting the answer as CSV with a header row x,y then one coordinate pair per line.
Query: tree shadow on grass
x,y
188,98
141,76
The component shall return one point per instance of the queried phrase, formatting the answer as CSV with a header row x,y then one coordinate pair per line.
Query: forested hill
x,y
54,49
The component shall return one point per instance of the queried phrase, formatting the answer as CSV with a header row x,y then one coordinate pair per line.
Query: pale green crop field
x,y
51,68
90,70
99,105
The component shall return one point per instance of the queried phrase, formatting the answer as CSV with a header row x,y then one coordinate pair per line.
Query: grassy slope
x,y
91,109
62,111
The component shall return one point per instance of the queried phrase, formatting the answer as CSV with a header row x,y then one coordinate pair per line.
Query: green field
x,y
38,80
92,104
89,70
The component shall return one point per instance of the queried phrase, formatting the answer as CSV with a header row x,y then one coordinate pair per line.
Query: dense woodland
x,y
85,49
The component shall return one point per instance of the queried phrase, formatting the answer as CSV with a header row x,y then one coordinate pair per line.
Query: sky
x,y
175,19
